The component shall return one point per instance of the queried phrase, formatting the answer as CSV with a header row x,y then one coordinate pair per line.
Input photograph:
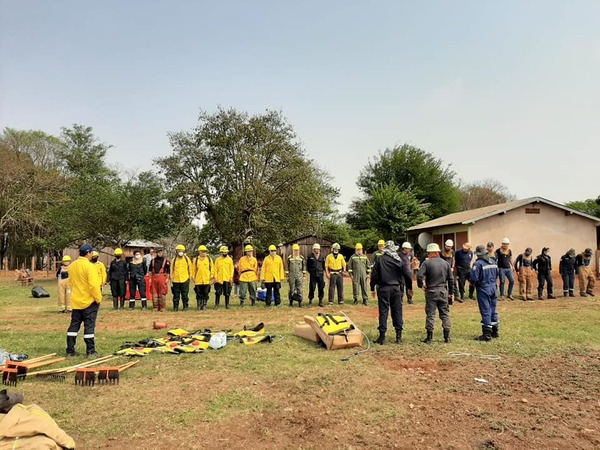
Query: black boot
x,y
495,333
198,304
217,301
398,336
122,303
131,304
321,303
309,302
381,339
226,302
355,302
429,338
486,334
253,302
175,305
115,303
144,304
185,306
447,339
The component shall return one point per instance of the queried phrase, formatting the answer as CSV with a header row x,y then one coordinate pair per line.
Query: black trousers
x,y
181,290
117,288
390,298
273,289
568,280
545,277
463,274
316,281
202,291
137,282
336,282
86,316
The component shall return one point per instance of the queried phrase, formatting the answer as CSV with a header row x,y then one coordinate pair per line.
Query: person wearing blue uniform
x,y
483,275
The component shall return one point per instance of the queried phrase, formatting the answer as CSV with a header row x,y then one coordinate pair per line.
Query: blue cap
x,y
85,249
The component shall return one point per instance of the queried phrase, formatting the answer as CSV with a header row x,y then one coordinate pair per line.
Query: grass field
x,y
543,392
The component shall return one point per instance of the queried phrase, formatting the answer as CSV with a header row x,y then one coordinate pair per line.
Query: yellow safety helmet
x,y
248,248
358,246
272,248
95,253
180,247
223,249
66,258
118,252
202,248
295,247
381,242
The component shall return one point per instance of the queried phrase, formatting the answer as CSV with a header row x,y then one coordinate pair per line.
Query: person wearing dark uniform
x,y
542,264
524,268
137,272
483,275
567,272
159,270
407,258
447,254
117,274
505,268
315,266
462,262
388,276
435,278
585,273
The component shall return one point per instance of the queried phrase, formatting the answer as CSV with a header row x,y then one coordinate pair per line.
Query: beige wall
x,y
550,228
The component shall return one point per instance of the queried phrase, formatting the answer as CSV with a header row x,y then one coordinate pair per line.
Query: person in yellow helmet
x,y
203,272
100,267
64,292
272,274
359,269
379,251
223,276
296,270
335,266
248,269
159,270
181,272
117,273
85,298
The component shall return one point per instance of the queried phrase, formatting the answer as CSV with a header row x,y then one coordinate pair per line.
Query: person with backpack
x,y
566,268
202,273
159,270
181,272
223,276
248,269
542,264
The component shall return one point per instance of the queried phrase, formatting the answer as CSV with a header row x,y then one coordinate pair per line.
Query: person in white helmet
x,y
407,259
447,254
505,268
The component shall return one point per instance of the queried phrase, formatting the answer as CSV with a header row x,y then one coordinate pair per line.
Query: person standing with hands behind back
x,y
335,266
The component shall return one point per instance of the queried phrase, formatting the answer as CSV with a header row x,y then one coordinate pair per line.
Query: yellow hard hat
x,y
358,246
381,242
95,253
180,247
295,247
118,252
223,249
202,248
272,248
66,258
248,248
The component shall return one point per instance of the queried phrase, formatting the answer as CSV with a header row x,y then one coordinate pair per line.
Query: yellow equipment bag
x,y
251,332
177,332
333,324
257,339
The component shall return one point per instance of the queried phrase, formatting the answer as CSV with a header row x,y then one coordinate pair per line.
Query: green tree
x,y
247,177
401,187
589,206
484,193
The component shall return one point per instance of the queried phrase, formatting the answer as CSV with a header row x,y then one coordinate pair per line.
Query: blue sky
x,y
507,89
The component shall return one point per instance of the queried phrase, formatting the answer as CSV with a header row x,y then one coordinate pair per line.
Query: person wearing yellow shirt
x,y
335,266
100,267
223,276
203,273
181,272
85,300
64,292
248,270
272,274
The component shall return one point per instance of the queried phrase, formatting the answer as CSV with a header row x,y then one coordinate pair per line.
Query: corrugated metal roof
x,y
142,243
473,215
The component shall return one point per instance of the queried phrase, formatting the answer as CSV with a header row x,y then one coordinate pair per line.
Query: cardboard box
x,y
354,338
305,331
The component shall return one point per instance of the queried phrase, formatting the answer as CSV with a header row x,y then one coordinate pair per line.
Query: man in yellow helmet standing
x,y
335,266
64,292
296,269
379,251
272,274
117,272
181,272
223,276
248,269
100,267
202,274
359,269
85,298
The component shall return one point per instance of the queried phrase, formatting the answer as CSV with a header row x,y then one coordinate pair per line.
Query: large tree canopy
x,y
401,187
247,177
589,206
484,193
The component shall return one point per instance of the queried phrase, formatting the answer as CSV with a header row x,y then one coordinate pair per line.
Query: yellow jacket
x,y
248,269
101,268
223,271
335,264
272,270
84,283
181,269
203,270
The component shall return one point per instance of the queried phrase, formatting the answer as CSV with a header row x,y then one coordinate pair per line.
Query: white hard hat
x,y
406,245
316,245
449,243
506,241
433,247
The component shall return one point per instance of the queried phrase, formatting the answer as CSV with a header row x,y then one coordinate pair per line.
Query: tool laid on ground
x,y
111,375
85,376
15,370
60,374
